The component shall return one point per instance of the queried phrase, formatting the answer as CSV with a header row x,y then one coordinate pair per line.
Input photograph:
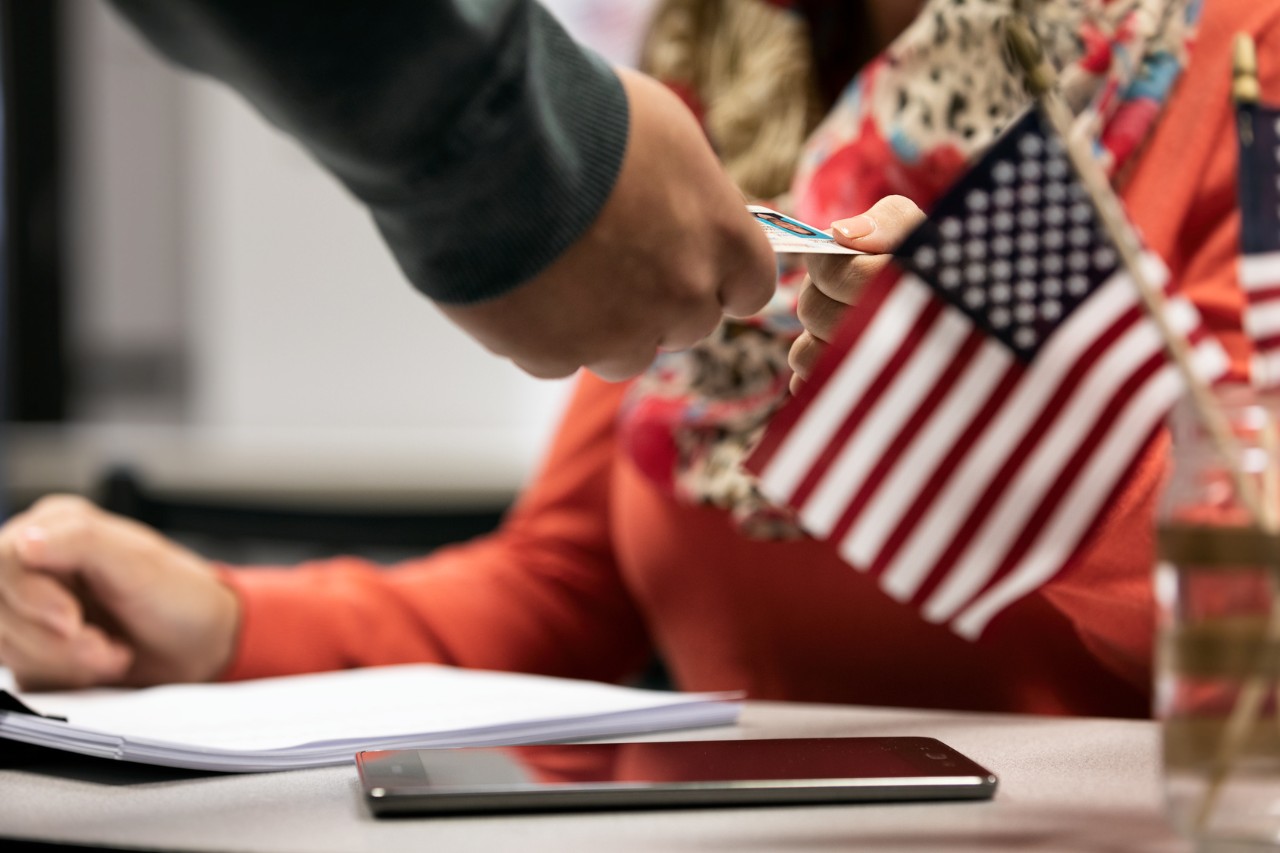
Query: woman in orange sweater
x,y
641,533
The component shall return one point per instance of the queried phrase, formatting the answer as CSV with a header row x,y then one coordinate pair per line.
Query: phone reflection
x,y
713,761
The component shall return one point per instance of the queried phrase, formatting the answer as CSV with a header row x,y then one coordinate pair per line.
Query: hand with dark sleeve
x,y
559,212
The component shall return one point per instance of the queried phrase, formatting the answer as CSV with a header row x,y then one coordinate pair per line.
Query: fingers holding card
x,y
788,235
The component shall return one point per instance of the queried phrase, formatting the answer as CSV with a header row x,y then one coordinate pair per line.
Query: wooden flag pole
x,y
1025,48
1248,705
1040,76
1246,91
1244,82
1244,714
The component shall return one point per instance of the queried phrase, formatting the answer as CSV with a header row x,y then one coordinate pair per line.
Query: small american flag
x,y
976,412
1259,191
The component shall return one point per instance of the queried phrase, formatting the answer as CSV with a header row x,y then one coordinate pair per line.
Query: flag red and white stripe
x,y
960,478
966,430
1260,278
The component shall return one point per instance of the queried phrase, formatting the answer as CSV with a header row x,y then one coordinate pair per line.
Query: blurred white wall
x,y
126,195
204,239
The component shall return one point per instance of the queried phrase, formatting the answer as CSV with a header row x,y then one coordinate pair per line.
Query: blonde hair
x,y
750,64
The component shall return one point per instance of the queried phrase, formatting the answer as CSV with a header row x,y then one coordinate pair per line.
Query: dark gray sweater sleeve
x,y
483,140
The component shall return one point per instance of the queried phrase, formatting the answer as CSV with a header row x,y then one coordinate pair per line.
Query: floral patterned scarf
x,y
907,124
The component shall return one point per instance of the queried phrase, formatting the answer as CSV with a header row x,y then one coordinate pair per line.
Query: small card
x,y
791,235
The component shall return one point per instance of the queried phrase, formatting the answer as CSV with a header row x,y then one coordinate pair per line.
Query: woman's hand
x,y
87,598
836,280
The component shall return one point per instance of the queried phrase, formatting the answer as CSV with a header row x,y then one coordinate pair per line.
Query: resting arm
x,y
543,594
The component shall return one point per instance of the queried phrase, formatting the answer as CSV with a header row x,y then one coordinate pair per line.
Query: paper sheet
x,y
327,717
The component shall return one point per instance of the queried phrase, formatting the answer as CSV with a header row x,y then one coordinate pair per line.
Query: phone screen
x,y
670,773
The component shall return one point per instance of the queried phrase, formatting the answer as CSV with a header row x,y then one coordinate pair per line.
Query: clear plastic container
x,y
1218,644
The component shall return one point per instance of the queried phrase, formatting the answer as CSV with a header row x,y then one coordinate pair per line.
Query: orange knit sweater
x,y
594,569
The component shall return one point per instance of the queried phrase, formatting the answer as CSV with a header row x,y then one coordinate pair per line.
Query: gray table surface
x,y
1065,784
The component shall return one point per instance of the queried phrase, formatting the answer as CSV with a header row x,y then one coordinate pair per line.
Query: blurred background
x,y
201,329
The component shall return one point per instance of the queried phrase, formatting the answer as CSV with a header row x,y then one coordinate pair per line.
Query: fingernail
x,y
31,542
857,227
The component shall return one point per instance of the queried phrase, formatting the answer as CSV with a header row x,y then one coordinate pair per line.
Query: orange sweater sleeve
x,y
542,594
1183,197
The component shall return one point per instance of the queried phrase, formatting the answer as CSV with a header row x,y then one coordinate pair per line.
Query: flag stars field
x,y
966,428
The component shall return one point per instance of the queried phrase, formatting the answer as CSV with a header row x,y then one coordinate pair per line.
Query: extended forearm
x,y
483,140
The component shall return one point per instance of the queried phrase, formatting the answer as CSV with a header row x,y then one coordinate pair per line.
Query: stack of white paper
x,y
310,720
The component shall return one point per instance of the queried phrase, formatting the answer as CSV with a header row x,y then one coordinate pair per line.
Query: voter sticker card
x,y
791,235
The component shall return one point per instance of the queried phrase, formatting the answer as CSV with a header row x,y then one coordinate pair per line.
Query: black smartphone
x,y
668,774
